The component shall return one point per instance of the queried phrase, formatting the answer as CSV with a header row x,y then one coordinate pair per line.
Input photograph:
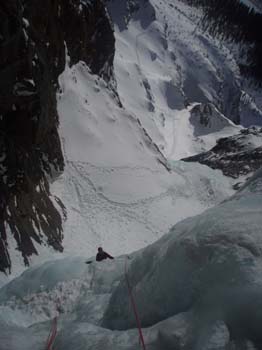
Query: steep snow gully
x,y
191,245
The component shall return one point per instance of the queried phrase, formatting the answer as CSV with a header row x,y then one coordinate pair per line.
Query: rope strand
x,y
138,323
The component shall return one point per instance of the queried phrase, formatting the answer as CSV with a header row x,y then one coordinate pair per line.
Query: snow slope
x,y
116,187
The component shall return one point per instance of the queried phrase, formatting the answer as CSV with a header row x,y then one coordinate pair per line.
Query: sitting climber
x,y
101,255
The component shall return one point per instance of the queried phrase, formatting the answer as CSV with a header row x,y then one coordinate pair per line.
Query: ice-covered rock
x,y
210,264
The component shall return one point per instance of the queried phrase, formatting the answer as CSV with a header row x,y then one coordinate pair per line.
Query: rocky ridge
x,y
238,155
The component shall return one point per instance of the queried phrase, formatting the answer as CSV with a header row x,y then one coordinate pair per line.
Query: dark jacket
x,y
102,256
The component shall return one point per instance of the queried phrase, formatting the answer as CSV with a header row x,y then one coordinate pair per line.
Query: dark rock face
x,y
32,55
88,34
235,155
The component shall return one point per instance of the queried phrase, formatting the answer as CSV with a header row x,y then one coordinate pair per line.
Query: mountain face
x,y
124,94
128,124
128,107
34,37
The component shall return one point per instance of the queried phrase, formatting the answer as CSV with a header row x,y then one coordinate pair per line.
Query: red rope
x,y
135,311
52,335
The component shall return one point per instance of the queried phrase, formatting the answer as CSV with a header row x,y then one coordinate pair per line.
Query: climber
x,y
101,255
